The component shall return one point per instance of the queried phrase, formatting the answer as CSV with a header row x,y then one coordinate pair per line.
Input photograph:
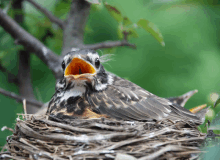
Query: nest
x,y
42,137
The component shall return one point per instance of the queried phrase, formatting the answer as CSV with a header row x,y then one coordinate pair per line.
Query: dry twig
x,y
109,44
19,98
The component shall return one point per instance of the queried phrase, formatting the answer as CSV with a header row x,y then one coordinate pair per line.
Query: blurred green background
x,y
190,59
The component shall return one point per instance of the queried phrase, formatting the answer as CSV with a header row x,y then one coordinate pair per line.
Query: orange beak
x,y
78,67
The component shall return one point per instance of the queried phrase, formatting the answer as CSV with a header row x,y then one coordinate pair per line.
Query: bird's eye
x,y
63,65
97,63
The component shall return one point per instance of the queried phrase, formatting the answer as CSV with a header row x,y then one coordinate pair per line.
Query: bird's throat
x,y
79,67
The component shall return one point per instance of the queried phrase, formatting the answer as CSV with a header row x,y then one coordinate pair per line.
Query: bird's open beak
x,y
78,67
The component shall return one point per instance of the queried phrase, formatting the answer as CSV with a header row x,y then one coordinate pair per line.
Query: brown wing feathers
x,y
125,100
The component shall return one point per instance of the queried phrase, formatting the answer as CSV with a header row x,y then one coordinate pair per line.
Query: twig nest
x,y
38,137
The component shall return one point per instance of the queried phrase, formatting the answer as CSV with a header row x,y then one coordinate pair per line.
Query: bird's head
x,y
85,66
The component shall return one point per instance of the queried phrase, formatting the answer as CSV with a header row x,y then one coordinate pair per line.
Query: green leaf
x,y
115,13
96,7
132,33
2,54
215,124
88,29
152,29
126,21
119,31
217,102
62,8
130,30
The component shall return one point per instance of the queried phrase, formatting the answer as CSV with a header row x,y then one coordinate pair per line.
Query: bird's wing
x,y
125,100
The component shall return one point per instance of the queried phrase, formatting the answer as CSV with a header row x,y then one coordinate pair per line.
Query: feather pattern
x,y
100,93
126,100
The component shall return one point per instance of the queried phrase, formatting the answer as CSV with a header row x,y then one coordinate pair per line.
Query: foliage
x,y
152,29
211,144
125,25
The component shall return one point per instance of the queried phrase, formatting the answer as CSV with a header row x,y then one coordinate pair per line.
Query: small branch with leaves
x,y
48,14
73,33
22,37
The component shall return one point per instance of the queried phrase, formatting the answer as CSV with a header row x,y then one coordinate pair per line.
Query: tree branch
x,y
20,98
74,29
31,43
24,76
109,44
52,18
